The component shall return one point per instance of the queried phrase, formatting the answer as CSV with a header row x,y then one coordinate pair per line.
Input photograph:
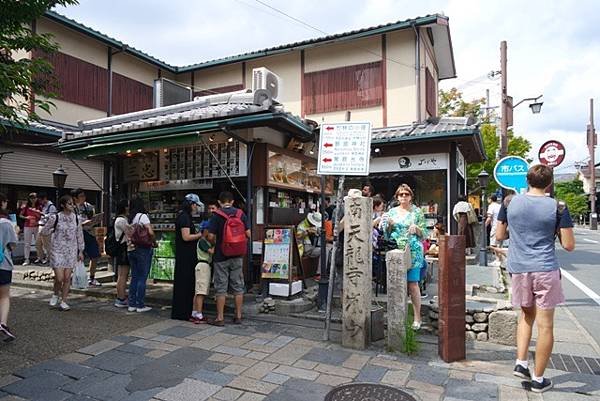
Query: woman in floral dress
x,y
67,248
405,226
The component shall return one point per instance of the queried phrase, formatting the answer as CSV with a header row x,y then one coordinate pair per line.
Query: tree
x,y
571,192
452,104
21,78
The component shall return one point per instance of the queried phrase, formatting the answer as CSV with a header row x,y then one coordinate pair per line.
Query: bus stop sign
x,y
511,173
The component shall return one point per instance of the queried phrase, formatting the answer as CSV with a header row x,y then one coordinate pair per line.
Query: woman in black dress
x,y
186,239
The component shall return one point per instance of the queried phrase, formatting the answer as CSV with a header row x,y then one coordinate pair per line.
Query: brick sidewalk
x,y
259,360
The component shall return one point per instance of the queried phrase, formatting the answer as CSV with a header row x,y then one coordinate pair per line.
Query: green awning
x,y
152,138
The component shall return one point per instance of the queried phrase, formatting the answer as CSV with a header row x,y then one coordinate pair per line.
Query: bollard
x,y
357,280
397,263
451,298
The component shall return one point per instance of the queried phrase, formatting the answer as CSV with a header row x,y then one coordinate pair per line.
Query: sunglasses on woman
x,y
404,194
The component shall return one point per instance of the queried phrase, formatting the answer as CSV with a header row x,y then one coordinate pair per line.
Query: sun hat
x,y
354,193
315,218
193,198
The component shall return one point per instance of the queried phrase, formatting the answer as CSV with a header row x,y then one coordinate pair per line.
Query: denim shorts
x,y
544,289
229,276
5,277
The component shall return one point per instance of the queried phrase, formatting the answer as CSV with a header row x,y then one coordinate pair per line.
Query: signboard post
x,y
511,173
344,149
552,153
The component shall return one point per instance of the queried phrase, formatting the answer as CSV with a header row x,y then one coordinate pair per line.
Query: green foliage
x,y
451,103
571,192
21,78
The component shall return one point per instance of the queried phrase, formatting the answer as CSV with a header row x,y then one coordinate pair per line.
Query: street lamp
x,y
59,177
483,179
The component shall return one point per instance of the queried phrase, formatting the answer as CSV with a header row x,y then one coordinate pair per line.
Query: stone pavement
x,y
265,360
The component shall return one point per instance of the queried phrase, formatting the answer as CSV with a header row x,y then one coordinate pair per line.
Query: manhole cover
x,y
367,392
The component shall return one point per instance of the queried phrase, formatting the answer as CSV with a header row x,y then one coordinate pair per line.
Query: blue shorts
x,y
413,275
91,248
5,277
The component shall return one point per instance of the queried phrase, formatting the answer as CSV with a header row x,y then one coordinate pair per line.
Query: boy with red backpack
x,y
229,230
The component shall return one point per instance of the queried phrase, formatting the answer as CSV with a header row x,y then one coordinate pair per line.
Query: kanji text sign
x,y
344,149
511,173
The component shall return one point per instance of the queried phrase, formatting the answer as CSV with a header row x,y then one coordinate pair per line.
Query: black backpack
x,y
112,246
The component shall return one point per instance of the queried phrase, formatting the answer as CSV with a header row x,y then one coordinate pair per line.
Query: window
x,y
345,88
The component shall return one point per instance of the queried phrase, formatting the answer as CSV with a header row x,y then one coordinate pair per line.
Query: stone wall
x,y
496,324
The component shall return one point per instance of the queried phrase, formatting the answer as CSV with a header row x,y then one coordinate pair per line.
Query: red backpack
x,y
234,241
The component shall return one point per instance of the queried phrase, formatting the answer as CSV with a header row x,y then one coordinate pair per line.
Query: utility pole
x,y
487,105
504,106
592,141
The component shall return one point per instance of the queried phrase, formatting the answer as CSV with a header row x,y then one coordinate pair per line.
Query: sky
x,y
553,47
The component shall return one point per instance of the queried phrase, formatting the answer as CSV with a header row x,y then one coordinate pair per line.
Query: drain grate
x,y
367,392
575,364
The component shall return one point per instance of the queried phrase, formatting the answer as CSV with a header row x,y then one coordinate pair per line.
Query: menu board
x,y
277,256
214,160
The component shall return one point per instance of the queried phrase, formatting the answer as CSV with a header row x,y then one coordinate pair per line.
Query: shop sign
x,y
431,161
175,185
460,163
552,153
344,149
511,173
142,167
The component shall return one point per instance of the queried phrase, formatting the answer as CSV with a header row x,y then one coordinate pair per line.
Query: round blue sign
x,y
511,173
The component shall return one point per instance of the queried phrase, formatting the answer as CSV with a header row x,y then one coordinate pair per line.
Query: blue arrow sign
x,y
511,173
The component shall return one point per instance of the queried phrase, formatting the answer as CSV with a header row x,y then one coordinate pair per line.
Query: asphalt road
x,y
44,333
581,280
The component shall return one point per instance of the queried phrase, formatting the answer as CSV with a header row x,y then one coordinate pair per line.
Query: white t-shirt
x,y
141,218
120,228
492,212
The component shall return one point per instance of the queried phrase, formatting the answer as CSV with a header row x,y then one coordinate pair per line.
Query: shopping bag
x,y
79,276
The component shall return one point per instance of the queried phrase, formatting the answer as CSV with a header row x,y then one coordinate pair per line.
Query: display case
x,y
295,172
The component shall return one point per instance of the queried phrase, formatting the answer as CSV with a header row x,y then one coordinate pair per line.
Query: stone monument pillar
x,y
451,298
397,263
357,280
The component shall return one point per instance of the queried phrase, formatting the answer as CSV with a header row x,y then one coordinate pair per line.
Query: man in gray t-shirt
x,y
533,221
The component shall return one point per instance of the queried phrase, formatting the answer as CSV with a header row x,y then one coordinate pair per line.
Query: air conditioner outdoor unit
x,y
262,78
167,92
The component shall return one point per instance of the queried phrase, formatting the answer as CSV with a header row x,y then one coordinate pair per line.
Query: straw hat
x,y
315,219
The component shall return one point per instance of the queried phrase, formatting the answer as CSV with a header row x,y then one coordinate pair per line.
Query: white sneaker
x,y
144,309
54,301
416,326
495,263
64,306
131,309
26,262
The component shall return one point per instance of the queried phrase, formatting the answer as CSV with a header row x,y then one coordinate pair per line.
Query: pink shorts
x,y
542,287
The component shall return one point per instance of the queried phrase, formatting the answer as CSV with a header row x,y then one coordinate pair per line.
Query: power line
x,y
307,25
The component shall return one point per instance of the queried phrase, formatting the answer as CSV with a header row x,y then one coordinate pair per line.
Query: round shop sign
x,y
552,153
511,173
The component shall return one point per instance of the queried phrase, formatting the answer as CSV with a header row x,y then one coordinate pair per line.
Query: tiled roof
x,y
355,34
434,128
36,127
201,109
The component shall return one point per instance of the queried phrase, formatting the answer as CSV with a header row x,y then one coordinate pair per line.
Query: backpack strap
x,y
56,223
222,214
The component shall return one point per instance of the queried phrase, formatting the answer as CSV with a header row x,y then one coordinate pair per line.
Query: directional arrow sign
x,y
344,149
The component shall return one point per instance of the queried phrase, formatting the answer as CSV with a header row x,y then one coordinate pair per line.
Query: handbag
x,y
140,237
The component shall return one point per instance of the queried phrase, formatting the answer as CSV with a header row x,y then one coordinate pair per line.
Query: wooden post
x,y
451,290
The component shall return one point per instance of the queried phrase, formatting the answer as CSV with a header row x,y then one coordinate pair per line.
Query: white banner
x,y
397,164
